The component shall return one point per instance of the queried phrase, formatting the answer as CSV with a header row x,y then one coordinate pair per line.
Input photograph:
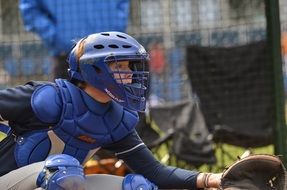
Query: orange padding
x,y
106,166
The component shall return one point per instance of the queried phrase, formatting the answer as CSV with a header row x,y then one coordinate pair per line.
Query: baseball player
x,y
56,127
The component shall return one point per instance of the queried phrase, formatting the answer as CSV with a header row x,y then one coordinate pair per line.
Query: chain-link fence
x,y
165,28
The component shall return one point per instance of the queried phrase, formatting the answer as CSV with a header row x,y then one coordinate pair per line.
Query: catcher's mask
x,y
103,49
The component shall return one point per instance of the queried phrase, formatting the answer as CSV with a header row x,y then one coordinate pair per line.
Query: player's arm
x,y
16,107
37,19
14,103
139,158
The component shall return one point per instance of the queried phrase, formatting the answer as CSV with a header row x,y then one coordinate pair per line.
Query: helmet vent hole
x,y
105,34
120,36
99,46
127,46
113,46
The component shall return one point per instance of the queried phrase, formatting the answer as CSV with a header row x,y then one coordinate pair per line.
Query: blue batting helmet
x,y
100,49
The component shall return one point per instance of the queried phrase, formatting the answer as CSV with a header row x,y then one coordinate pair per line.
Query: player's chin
x,y
127,81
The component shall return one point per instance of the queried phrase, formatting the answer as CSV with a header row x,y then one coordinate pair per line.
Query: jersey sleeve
x,y
15,107
15,102
141,161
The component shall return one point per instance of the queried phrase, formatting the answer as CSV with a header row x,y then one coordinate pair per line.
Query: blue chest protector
x,y
84,124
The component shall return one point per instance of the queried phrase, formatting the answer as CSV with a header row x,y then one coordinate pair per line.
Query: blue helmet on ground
x,y
92,66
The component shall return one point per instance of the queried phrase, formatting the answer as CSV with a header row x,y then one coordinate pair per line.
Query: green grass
x,y
225,154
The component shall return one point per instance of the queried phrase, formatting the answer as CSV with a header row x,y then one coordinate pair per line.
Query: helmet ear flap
x,y
73,66
72,60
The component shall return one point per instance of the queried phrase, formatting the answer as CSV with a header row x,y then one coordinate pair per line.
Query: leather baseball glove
x,y
255,172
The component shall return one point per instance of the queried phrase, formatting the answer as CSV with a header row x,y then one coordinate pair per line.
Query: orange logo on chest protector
x,y
87,139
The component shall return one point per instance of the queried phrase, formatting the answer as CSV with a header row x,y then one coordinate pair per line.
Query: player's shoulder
x,y
46,102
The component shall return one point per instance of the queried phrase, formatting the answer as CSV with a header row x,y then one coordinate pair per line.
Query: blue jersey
x,y
25,119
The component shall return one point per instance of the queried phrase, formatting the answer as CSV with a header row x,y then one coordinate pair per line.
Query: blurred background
x,y
217,67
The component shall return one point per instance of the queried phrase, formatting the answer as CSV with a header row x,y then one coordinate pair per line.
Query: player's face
x,y
122,66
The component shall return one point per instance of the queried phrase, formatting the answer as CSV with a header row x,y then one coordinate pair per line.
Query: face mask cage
x,y
134,79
